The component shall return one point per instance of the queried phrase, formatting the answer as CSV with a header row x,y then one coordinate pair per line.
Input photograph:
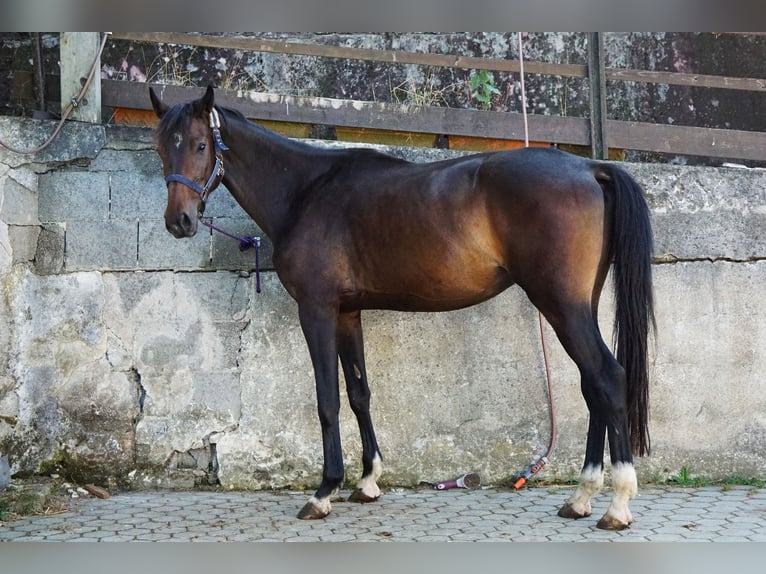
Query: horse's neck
x,y
265,172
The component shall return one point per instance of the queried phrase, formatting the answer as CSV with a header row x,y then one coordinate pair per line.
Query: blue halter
x,y
218,171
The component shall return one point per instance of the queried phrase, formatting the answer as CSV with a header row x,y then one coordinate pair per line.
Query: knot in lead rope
x,y
245,243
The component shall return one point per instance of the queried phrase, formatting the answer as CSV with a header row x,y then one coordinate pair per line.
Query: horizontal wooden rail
x,y
350,113
686,140
440,60
344,52
674,139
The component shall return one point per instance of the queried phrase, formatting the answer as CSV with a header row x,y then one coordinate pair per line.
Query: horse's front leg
x,y
319,326
351,352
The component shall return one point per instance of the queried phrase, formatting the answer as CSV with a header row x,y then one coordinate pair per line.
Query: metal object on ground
x,y
469,480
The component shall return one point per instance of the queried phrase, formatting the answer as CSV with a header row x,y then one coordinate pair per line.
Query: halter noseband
x,y
218,171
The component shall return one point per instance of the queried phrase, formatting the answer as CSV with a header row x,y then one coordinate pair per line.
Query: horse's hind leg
x,y
351,352
604,388
592,474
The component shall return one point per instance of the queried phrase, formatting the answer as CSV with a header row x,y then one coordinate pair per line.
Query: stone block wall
x,y
130,357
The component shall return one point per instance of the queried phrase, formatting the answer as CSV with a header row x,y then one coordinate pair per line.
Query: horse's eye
x,y
202,146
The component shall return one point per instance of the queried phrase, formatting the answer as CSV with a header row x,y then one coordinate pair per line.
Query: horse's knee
x,y
359,401
328,414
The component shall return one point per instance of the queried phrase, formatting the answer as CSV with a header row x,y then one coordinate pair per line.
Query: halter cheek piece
x,y
218,171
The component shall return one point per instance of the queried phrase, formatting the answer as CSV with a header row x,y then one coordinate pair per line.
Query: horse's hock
x,y
125,354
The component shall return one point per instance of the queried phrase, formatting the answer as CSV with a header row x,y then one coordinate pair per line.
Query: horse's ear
x,y
159,107
204,105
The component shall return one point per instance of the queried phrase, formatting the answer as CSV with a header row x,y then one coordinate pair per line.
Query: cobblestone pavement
x,y
661,514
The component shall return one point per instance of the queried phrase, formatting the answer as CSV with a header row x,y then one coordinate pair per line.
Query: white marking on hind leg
x,y
591,481
368,485
625,487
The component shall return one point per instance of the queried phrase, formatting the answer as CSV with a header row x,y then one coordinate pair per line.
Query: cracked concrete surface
x,y
165,368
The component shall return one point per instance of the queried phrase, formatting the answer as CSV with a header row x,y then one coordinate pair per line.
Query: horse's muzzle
x,y
180,224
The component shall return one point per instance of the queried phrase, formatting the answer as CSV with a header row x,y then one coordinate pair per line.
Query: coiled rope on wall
x,y
71,106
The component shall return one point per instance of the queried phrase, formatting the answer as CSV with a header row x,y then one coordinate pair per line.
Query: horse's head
x,y
189,145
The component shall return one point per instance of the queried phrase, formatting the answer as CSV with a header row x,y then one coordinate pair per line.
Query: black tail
x,y
631,252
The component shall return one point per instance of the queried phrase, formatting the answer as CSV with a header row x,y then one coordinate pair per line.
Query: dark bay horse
x,y
356,229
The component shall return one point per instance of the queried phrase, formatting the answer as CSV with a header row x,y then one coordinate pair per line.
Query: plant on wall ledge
x,y
482,85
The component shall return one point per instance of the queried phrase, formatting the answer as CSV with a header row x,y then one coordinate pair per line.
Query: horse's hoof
x,y
568,511
312,512
612,523
361,497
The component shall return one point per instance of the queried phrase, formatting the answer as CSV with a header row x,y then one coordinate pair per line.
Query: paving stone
x,y
672,514
153,537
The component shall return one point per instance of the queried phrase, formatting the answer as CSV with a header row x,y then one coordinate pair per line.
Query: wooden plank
x,y
597,81
680,140
685,140
321,50
694,80
388,116
77,52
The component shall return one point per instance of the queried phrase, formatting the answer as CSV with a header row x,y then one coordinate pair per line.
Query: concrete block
x,y
221,296
73,196
157,437
708,399
177,321
76,140
6,251
211,393
49,256
705,212
122,137
145,161
101,245
23,240
718,234
19,202
137,194
158,249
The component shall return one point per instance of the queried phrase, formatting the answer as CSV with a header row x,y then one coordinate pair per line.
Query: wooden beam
x,y
351,113
597,90
693,80
685,140
680,140
323,50
77,52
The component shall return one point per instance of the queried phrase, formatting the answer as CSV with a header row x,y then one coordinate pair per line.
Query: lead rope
x,y
245,243
535,466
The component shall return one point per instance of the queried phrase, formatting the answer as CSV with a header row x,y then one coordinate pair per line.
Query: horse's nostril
x,y
174,229
185,222
182,225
